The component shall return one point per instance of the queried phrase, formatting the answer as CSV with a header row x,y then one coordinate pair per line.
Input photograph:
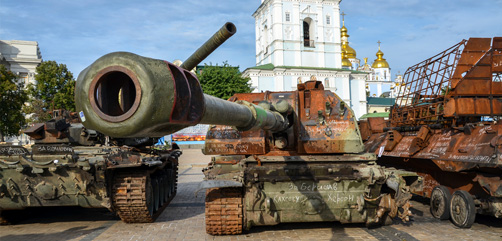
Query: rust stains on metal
x,y
224,211
324,125
446,123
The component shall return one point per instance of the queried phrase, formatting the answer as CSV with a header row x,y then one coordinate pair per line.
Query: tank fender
x,y
217,184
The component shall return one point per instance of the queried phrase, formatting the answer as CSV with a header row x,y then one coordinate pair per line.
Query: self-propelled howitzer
x,y
292,156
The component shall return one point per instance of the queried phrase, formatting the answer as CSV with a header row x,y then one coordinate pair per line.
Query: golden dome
x,y
343,32
351,53
380,62
345,61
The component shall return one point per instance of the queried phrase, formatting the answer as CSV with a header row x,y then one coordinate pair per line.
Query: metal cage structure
x,y
462,81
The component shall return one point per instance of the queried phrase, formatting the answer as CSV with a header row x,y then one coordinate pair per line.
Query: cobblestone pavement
x,y
183,219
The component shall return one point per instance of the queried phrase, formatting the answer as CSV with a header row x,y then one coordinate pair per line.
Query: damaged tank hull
x,y
446,127
86,180
273,190
62,169
452,159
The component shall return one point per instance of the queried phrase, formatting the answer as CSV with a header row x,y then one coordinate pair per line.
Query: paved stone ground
x,y
183,219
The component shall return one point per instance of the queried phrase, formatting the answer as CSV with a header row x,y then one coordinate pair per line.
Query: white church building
x,y
303,40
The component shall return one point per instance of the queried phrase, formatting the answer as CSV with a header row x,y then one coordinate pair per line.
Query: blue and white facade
x,y
299,40
282,40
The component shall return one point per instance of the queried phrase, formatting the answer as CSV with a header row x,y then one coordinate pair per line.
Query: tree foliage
x,y
54,89
12,99
223,81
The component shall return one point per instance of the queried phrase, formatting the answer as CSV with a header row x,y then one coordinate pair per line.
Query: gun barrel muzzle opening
x,y
115,93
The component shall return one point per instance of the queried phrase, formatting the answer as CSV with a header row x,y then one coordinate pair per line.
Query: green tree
x,y
12,99
223,81
54,89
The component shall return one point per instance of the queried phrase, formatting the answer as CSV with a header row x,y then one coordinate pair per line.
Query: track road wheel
x,y
167,187
162,191
156,194
462,209
440,202
224,211
150,203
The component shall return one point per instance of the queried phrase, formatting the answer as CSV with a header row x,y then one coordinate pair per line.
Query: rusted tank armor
x,y
446,127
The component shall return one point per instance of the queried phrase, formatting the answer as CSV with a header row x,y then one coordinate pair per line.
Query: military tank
x,y
283,156
446,127
70,165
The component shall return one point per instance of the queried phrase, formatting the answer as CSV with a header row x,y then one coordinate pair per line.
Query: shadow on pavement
x,y
58,214
337,229
71,233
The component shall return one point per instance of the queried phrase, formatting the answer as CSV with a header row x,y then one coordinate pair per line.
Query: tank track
x,y
140,197
224,211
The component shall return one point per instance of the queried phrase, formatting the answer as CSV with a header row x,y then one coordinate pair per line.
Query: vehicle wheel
x,y
169,177
162,191
168,188
440,202
150,203
462,209
155,186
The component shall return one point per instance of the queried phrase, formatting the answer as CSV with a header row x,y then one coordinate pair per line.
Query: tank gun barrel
x,y
126,95
209,46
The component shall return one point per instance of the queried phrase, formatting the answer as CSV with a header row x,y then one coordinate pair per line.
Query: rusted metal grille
x,y
421,96
462,81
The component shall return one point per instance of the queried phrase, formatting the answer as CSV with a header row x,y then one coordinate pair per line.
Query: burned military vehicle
x,y
284,156
446,127
70,165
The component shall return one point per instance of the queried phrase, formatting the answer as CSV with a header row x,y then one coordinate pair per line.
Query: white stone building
x,y
21,57
301,40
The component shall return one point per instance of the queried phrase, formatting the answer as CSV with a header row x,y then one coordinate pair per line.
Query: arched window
x,y
326,82
265,39
299,80
308,33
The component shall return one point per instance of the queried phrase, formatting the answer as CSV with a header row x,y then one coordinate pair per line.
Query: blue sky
x,y
78,32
